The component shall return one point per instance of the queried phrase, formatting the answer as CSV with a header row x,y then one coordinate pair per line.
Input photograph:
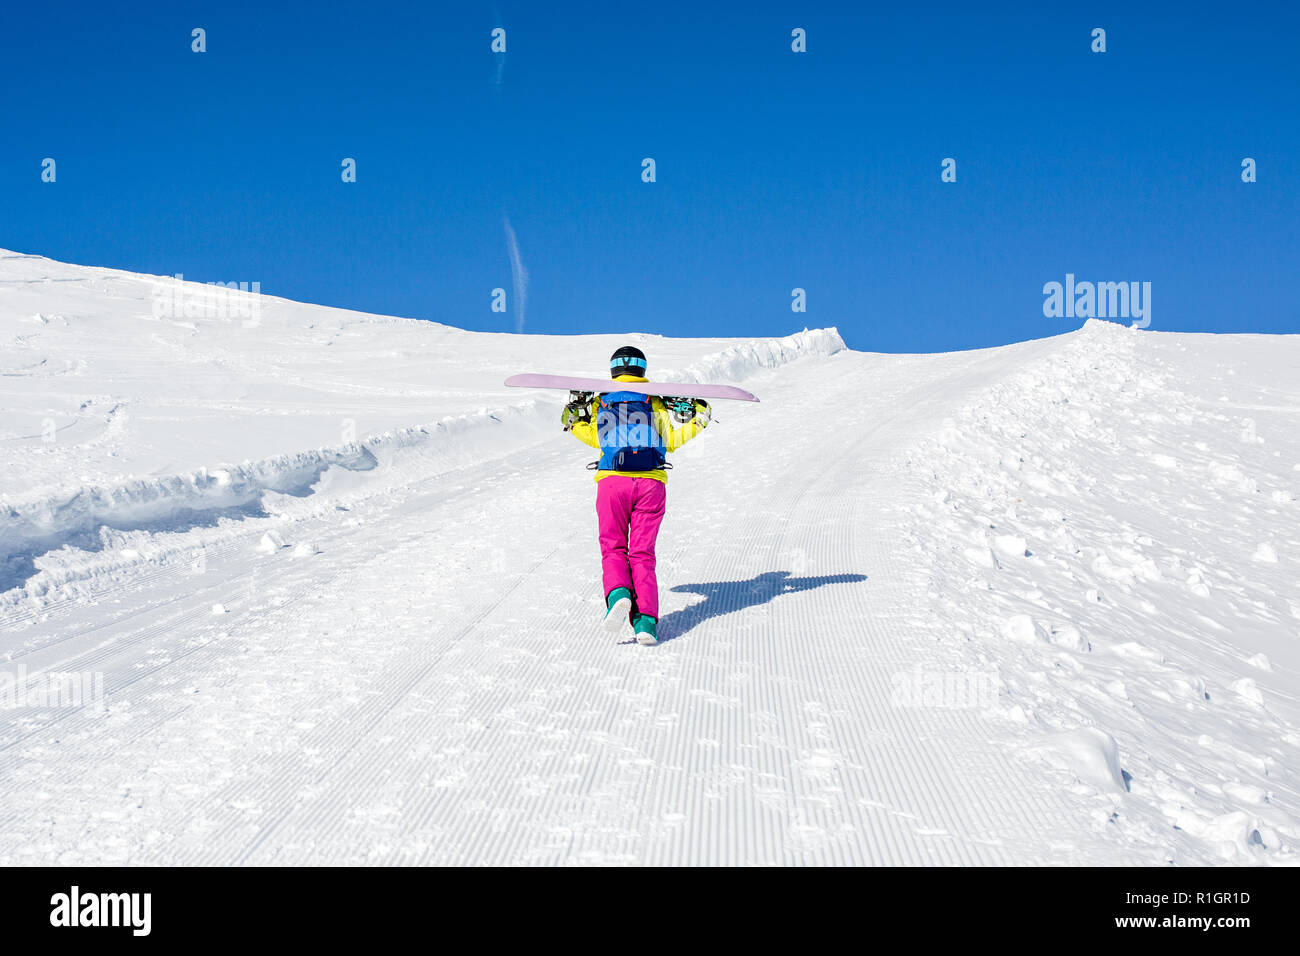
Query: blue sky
x,y
775,170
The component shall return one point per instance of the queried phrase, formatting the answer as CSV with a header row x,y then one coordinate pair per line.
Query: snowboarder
x,y
634,433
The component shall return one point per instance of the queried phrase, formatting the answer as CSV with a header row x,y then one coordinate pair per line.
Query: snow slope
x,y
1035,604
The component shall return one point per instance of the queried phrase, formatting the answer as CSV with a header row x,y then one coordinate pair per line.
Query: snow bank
x,y
1109,527
65,536
740,361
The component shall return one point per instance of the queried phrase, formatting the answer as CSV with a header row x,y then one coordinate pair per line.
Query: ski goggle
x,y
629,363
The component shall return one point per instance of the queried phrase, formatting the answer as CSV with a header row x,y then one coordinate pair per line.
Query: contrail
x,y
518,275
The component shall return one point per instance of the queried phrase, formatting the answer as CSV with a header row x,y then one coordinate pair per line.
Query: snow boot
x,y
643,626
618,606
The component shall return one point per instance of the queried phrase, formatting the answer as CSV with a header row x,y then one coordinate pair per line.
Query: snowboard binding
x,y
578,408
682,409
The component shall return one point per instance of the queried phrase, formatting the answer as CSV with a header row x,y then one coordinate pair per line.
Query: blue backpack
x,y
629,441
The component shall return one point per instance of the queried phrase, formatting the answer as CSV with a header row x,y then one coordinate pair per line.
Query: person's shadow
x,y
725,597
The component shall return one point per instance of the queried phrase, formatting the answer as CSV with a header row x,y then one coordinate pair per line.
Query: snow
x,y
1033,604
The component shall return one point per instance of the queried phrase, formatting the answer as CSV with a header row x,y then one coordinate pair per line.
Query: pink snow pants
x,y
630,512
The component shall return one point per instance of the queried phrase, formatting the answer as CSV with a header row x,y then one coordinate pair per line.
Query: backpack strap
x,y
595,466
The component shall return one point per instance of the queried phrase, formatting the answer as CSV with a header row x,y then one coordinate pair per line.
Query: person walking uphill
x,y
634,433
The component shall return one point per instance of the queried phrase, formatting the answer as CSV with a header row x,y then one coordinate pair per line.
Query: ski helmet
x,y
628,360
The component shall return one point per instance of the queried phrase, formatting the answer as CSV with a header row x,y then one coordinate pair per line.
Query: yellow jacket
x,y
675,435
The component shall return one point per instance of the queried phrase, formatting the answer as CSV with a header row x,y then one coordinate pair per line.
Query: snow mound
x,y
1132,568
737,362
1090,755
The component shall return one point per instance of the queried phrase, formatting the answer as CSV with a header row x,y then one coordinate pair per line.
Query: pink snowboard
x,y
667,389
